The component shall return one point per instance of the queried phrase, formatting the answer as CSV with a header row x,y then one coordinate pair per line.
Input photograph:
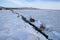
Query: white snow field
x,y
14,28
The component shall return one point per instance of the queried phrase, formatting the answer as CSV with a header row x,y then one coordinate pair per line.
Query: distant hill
x,y
22,8
25,8
1,7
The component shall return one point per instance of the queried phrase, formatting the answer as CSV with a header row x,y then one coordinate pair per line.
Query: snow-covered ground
x,y
14,28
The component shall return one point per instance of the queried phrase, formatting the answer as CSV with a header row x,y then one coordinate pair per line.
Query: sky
x,y
42,4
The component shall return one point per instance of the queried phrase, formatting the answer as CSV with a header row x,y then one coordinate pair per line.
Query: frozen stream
x,y
14,28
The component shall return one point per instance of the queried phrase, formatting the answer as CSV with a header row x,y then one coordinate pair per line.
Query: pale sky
x,y
42,4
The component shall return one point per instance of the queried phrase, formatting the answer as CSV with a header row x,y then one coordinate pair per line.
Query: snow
x,y
14,28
